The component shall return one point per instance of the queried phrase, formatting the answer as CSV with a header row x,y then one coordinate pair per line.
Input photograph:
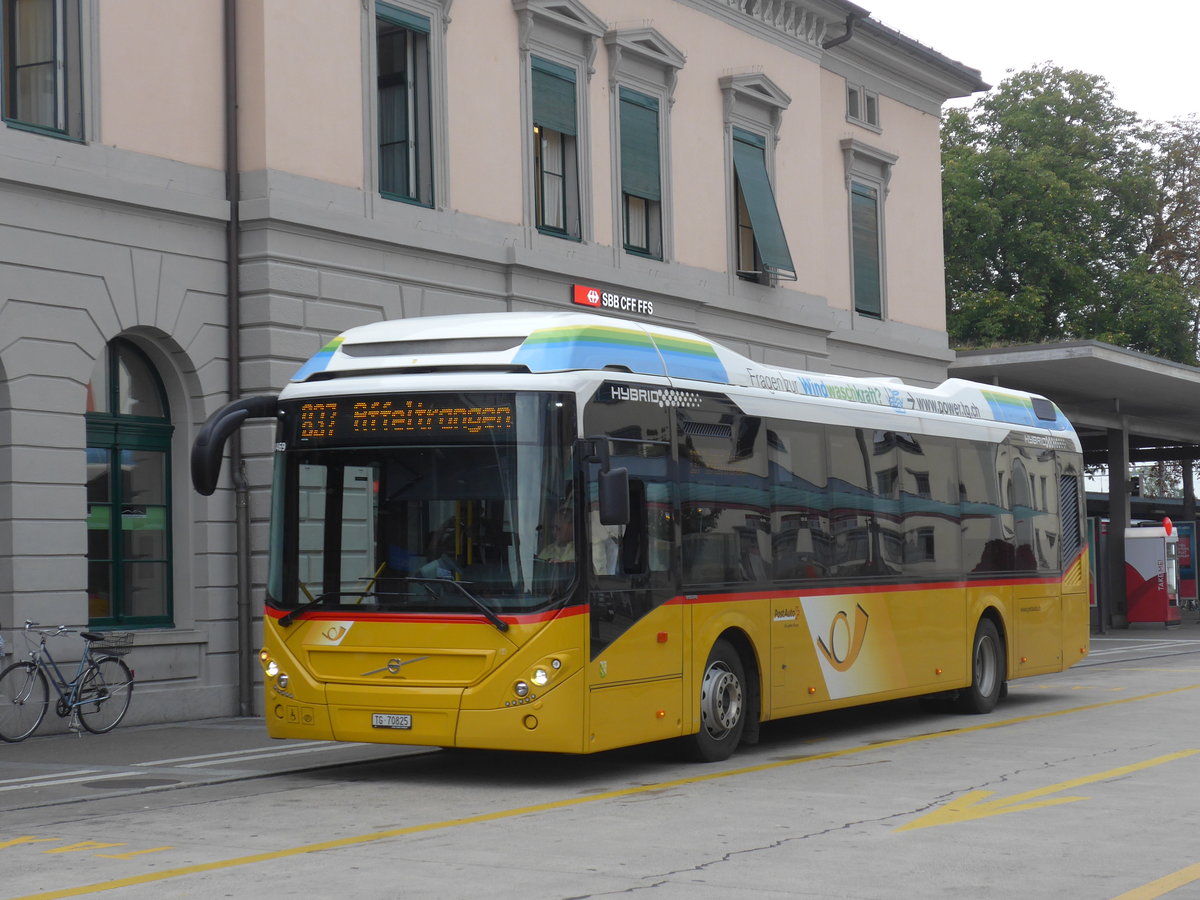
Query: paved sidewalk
x,y
65,768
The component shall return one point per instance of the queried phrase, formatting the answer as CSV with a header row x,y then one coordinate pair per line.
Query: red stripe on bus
x,y
437,618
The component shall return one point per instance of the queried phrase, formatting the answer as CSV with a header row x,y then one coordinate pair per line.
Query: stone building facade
x,y
765,172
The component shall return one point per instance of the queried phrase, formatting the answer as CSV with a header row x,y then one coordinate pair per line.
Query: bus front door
x,y
636,636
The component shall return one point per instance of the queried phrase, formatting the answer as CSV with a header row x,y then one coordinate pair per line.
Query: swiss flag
x,y
587,296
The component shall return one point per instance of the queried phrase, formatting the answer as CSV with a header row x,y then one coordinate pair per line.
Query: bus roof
x,y
540,342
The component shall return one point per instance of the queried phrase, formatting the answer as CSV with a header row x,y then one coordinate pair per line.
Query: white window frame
x,y
75,72
437,12
872,167
753,103
642,60
567,33
862,107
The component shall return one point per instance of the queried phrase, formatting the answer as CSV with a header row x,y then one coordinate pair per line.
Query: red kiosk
x,y
1152,574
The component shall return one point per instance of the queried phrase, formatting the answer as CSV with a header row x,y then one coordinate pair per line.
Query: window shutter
x,y
864,217
402,17
553,96
640,172
749,161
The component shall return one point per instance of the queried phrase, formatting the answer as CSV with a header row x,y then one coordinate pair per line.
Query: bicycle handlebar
x,y
48,630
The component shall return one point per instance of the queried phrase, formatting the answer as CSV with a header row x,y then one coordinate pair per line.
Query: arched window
x,y
128,491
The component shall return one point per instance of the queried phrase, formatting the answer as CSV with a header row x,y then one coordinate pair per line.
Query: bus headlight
x,y
272,668
521,689
540,677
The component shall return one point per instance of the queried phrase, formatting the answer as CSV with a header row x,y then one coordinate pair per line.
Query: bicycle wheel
x,y
24,695
104,694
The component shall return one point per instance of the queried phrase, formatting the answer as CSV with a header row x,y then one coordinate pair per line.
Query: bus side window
x,y
635,542
726,498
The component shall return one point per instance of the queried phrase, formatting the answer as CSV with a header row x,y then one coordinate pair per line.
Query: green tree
x,y
1174,246
1050,192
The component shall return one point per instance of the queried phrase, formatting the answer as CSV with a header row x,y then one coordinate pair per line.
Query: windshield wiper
x,y
316,601
488,612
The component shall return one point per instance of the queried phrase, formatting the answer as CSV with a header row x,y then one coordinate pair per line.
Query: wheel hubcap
x,y
985,667
720,700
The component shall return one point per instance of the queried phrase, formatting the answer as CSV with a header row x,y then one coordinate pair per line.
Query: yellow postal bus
x,y
564,532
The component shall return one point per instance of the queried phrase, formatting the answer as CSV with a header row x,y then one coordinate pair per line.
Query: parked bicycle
x,y
97,697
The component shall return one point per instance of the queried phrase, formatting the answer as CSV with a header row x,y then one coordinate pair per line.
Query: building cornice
x,y
804,26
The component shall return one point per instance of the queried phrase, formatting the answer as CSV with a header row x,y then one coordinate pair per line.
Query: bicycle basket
x,y
115,643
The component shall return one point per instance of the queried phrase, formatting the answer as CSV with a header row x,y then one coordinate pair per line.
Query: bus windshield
x,y
424,503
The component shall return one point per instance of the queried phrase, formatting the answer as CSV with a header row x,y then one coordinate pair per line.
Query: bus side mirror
x,y
209,446
614,497
613,483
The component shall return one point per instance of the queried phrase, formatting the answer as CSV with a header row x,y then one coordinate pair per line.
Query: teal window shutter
x,y
864,227
553,96
750,164
640,172
402,17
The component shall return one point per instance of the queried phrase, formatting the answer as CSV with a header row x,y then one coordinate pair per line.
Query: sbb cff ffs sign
x,y
599,299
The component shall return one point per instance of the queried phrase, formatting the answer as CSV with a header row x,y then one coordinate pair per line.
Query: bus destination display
x,y
374,419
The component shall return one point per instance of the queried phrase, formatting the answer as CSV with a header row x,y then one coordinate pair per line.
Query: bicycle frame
x,y
95,698
68,691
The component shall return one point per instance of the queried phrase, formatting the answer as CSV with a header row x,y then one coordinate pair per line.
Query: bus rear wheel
x,y
723,696
987,670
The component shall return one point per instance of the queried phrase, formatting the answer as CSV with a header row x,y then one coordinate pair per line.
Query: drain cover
x,y
131,782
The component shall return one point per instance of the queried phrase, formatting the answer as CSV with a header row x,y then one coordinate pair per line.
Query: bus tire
x,y
987,670
723,698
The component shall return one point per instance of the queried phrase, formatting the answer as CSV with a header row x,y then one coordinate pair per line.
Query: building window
x,y
868,172
558,43
555,149
42,85
641,174
862,106
754,107
865,234
762,249
402,55
128,491
643,70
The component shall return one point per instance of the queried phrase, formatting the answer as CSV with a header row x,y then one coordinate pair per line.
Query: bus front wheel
x,y
723,696
987,670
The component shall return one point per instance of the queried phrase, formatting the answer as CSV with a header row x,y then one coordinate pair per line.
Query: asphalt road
x,y
1080,785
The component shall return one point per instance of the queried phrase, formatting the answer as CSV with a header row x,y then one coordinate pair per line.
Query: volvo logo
x,y
394,665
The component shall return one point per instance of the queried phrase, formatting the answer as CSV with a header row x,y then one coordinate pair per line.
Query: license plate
x,y
390,720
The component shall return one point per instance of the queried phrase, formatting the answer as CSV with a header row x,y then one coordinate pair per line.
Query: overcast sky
x,y
1145,50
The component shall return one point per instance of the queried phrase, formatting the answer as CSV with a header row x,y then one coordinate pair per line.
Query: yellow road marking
x,y
132,853
971,806
353,840
1163,885
84,845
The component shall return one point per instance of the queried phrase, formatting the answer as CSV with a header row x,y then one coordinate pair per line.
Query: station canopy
x,y
1102,389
